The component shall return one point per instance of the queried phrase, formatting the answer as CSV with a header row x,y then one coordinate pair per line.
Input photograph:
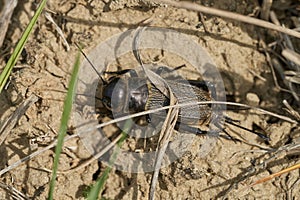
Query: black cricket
x,y
132,94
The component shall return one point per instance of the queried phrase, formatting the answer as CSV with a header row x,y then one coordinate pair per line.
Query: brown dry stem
x,y
5,15
229,15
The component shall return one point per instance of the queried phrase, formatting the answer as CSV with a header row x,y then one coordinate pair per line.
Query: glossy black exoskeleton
x,y
135,94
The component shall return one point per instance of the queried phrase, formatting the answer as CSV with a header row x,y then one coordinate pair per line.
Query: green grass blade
x,y
99,185
64,123
15,55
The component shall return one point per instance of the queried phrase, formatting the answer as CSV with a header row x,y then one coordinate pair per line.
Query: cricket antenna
x,y
85,56
231,121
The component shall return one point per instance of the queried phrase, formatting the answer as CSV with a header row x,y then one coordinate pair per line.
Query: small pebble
x,y
14,96
252,99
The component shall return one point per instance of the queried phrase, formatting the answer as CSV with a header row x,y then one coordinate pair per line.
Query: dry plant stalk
x,y
291,55
230,15
290,58
15,194
164,138
291,110
265,10
294,167
274,64
274,18
171,118
5,15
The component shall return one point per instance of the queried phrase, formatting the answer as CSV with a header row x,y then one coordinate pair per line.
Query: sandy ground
x,y
45,71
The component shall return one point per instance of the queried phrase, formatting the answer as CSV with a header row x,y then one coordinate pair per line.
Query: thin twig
x,y
297,166
229,15
202,20
257,75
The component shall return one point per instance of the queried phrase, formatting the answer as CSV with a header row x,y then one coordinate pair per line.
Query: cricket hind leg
x,y
228,120
232,122
198,131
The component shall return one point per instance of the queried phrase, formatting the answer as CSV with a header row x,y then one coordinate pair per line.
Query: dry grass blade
x,y
180,105
292,77
291,110
274,18
5,15
287,41
212,11
275,65
290,58
9,124
171,118
163,142
153,77
15,194
265,10
58,29
297,166
291,55
82,130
